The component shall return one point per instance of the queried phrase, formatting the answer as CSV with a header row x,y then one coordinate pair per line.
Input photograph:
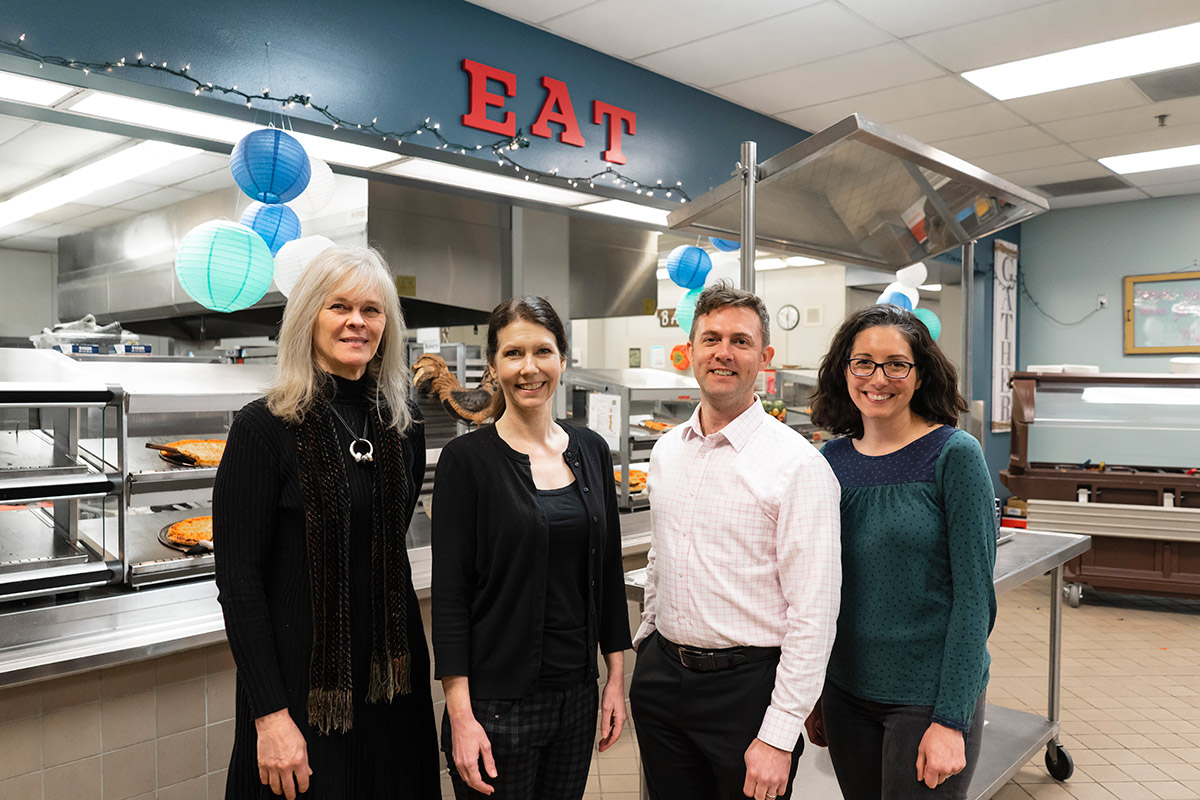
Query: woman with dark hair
x,y
311,508
902,709
527,580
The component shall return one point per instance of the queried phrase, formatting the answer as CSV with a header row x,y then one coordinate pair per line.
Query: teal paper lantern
x,y
931,321
688,266
270,166
275,223
685,309
725,245
223,265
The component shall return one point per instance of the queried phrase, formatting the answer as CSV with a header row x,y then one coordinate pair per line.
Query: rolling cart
x,y
1010,737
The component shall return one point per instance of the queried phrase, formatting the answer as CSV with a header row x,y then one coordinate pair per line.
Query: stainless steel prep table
x,y
1011,737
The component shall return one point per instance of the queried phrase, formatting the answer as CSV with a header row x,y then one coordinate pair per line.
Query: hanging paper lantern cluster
x,y
903,292
293,257
319,192
270,166
223,265
685,309
726,269
275,223
725,245
688,266
931,322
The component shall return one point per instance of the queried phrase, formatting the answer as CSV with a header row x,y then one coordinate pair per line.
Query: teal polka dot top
x,y
918,553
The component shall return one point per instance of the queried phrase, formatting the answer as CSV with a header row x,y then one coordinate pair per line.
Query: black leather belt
x,y
699,660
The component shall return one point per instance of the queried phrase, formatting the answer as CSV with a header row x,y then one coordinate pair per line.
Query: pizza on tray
x,y
205,452
637,479
190,532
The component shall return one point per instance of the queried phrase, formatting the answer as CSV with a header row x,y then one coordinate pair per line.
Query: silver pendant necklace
x,y
365,451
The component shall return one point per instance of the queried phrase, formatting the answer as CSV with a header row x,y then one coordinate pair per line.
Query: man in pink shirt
x,y
744,577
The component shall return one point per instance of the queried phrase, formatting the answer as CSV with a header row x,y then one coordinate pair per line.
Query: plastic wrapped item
x,y
83,335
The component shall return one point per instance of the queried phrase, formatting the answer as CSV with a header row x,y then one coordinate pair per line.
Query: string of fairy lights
x,y
502,149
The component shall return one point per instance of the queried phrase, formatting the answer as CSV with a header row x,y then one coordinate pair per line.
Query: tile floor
x,y
1130,698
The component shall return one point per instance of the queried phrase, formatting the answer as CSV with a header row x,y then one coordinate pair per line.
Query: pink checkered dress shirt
x,y
746,550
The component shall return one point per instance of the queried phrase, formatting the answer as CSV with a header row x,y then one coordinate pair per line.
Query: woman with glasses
x,y
902,708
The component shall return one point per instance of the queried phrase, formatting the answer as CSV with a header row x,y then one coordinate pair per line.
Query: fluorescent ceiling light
x,y
1080,66
162,117
627,210
451,175
34,91
1142,395
930,287
1153,159
762,264
802,261
125,165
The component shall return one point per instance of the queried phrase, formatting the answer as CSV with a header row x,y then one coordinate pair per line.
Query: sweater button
x,y
595,519
593,551
577,463
585,489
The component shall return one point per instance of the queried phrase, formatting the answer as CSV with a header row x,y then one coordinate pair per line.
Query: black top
x,y
490,559
564,635
263,580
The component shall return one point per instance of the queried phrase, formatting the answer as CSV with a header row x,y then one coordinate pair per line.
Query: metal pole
x,y
749,170
968,292
1056,598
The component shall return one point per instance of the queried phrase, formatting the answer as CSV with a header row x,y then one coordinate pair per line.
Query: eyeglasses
x,y
865,368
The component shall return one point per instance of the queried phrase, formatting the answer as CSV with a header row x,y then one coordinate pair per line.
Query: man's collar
x,y
737,432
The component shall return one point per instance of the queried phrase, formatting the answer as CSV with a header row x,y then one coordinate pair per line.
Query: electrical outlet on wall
x,y
1101,301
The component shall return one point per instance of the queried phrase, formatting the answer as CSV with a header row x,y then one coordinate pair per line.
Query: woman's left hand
x,y
942,753
612,711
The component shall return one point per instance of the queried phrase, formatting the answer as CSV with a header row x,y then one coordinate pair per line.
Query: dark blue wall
x,y
399,60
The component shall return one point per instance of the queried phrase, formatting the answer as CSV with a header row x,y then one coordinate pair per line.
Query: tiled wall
x,y
161,728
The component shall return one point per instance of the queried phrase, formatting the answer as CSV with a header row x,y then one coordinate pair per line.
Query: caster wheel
x,y
1059,763
1074,594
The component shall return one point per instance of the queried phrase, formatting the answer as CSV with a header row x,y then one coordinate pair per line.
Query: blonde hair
x,y
298,377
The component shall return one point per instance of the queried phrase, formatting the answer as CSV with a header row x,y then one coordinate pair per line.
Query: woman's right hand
x,y
470,744
282,754
815,725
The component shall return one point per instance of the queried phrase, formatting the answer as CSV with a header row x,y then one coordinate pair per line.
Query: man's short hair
x,y
722,294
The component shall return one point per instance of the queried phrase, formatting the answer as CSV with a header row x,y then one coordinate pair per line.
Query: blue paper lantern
x,y
688,266
931,321
685,309
270,166
223,265
725,245
275,223
898,299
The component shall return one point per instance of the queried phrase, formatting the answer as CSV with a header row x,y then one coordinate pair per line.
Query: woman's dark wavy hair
x,y
529,308
937,399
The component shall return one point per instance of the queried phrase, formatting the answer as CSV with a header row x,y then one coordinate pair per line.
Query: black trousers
x,y
694,727
873,747
542,744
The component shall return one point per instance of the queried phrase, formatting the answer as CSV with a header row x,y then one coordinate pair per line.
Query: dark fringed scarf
x,y
326,491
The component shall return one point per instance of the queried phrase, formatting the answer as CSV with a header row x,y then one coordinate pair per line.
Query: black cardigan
x,y
490,542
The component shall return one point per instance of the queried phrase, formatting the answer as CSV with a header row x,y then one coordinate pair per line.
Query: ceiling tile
x,y
62,229
1172,189
67,211
634,28
1058,173
10,127
1048,28
15,176
534,11
217,179
1097,198
21,227
959,123
911,17
102,217
899,102
1161,177
1139,120
186,169
158,199
56,147
1153,139
995,142
766,46
1078,102
832,79
118,194
1029,159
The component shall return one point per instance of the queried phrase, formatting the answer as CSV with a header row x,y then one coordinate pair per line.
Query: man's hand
x,y
815,726
942,753
767,771
282,754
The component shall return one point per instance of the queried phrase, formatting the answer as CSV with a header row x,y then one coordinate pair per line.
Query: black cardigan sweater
x,y
490,543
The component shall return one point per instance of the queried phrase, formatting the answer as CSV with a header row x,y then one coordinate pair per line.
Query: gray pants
x,y
873,747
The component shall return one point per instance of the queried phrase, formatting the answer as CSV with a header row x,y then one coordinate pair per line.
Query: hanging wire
x,y
1025,291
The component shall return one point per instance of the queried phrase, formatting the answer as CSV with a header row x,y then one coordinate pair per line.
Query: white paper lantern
x,y
294,256
319,192
725,267
898,287
913,276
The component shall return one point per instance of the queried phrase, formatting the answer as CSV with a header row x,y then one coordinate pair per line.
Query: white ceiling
x,y
898,62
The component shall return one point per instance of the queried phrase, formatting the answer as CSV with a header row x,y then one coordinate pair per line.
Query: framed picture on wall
x,y
1162,313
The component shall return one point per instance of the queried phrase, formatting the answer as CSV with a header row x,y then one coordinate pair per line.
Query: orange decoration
x,y
679,357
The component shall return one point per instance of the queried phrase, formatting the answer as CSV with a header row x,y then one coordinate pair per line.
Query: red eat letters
x,y
557,108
